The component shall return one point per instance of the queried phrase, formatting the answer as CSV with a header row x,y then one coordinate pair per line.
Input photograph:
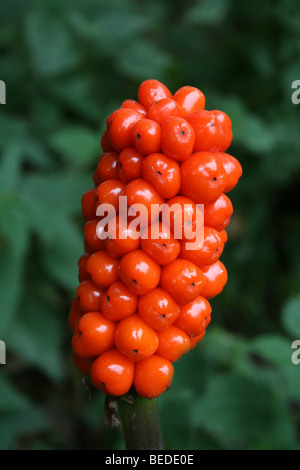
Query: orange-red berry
x,y
153,376
112,373
135,339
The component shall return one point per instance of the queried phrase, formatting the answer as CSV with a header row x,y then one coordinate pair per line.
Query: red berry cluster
x,y
142,302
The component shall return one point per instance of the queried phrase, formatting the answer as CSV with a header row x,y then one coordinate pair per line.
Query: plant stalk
x,y
140,422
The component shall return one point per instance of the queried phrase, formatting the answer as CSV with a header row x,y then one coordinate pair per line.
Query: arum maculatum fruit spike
x,y
143,301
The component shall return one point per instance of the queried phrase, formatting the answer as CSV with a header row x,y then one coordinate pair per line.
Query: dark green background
x,y
67,65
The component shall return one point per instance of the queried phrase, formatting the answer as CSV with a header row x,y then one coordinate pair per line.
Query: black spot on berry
x,y
134,281
193,284
214,179
159,173
163,316
164,245
138,136
182,132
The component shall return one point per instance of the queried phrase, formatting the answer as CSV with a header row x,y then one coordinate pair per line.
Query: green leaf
x,y
18,416
10,398
14,235
142,60
61,241
37,339
60,259
78,145
241,413
291,317
51,46
110,31
272,348
249,130
205,12
10,167
61,192
11,270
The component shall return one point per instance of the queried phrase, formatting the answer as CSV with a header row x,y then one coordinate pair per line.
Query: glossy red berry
x,y
183,280
89,204
106,168
151,91
153,376
139,272
163,173
146,136
218,213
135,339
190,99
177,139
158,242
164,109
112,373
118,302
215,277
194,317
93,335
119,127
203,177
103,269
130,164
233,170
172,343
158,309
89,295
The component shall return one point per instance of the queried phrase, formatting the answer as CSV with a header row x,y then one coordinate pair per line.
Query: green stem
x,y
140,422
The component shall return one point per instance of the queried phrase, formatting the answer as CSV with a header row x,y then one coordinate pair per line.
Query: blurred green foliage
x,y
66,66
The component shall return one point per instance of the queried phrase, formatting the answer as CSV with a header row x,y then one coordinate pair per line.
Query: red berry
x,y
215,277
183,280
89,204
89,296
163,173
158,242
204,251
173,343
178,138
103,269
133,104
194,317
130,165
135,339
190,99
153,376
163,109
118,302
232,168
203,177
146,136
139,272
106,168
112,373
119,127
218,213
151,91
93,335
158,309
